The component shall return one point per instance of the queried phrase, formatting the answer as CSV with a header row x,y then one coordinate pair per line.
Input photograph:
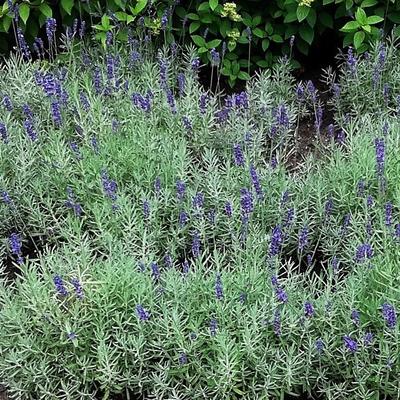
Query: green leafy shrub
x,y
184,258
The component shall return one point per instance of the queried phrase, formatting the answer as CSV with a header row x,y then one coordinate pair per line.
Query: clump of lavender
x,y
277,323
22,45
351,61
219,294
350,344
77,287
215,58
6,101
171,100
142,314
187,123
181,83
56,113
157,186
195,64
256,182
203,102
75,149
59,285
280,293
289,218
168,261
380,160
389,315
16,247
368,338
30,130
198,200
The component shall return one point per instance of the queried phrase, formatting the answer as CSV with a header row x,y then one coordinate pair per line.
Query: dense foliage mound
x,y
158,239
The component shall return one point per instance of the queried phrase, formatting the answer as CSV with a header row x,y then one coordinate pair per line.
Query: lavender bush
x,y
184,259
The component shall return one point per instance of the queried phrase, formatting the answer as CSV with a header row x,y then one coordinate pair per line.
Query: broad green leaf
x,y
199,40
302,12
368,3
105,22
204,6
290,17
366,28
349,4
374,19
277,38
312,18
121,16
194,26
351,26
231,46
259,33
307,33
244,76
24,11
213,4
214,43
140,6
46,10
257,20
6,22
181,12
358,39
202,50
361,16
262,63
394,17
193,16
67,5
265,44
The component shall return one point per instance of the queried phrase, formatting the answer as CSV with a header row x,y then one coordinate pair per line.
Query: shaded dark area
x,y
32,248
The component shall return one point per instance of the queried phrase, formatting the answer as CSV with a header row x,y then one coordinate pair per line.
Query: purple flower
x,y
109,186
5,197
195,64
281,295
242,298
312,91
185,267
186,123
256,181
213,327
215,58
72,335
246,202
364,252
389,315
282,117
84,101
97,80
351,61
388,214
238,155
380,156
397,231
142,313
346,223
276,241
60,287
146,209
157,185
75,149
51,26
350,344
196,245
308,309
303,238
163,66
30,130
319,345
370,201
22,45
361,188
180,190
109,38
7,103
95,144
3,133
183,358
289,218
368,338
168,260
355,317
203,101
72,204
300,91
328,208
183,218
155,271
181,83
277,323
229,211
16,247
56,113
198,200
78,288
171,100
218,288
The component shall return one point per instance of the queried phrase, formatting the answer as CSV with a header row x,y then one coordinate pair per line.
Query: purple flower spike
x,y
350,344
142,313
389,315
